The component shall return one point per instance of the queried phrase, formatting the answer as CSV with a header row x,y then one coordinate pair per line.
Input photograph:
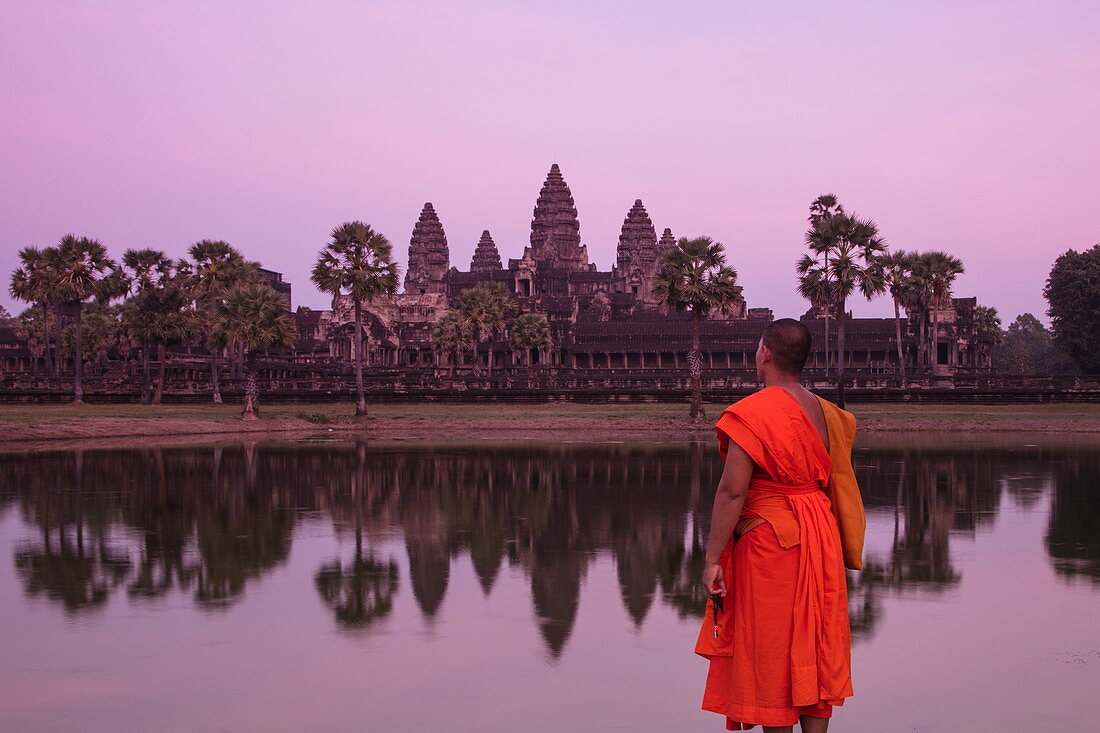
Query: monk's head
x,y
783,349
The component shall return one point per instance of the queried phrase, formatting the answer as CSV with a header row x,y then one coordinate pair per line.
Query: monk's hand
x,y
714,580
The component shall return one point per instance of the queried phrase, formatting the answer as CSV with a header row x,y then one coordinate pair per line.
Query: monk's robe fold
x,y
783,647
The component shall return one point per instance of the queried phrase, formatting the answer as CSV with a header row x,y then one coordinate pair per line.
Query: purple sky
x,y
968,127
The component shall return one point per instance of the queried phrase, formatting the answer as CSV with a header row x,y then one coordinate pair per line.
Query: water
x,y
525,586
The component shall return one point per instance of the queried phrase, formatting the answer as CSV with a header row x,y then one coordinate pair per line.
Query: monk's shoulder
x,y
755,404
845,418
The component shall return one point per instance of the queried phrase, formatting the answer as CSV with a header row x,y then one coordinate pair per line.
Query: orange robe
x,y
784,646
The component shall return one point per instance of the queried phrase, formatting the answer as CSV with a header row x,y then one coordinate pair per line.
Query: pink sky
x,y
969,127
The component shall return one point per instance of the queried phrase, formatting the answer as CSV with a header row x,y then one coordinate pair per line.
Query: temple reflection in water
x,y
208,523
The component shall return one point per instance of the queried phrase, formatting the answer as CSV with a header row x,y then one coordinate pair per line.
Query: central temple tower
x,y
555,230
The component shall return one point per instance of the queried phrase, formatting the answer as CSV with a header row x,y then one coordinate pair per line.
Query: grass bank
x,y
553,420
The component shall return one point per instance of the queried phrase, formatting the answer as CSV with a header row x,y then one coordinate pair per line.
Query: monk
x,y
787,520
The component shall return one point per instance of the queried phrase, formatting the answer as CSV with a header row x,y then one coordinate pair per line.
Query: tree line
x,y
83,303
147,301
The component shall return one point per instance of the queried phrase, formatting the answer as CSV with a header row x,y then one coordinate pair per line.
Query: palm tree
x,y
815,286
485,309
987,323
358,261
254,317
215,266
100,327
32,327
451,335
163,316
817,290
935,272
530,331
694,276
145,269
897,276
852,246
84,271
32,283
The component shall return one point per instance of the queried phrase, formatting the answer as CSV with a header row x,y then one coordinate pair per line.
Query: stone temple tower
x,y
486,257
429,257
667,242
555,230
637,254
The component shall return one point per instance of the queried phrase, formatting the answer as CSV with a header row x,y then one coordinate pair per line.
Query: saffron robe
x,y
784,645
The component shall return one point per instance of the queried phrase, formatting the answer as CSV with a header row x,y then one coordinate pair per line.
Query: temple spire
x,y
667,242
486,257
555,229
638,239
429,256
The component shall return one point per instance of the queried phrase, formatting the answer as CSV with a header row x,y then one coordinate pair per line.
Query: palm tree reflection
x,y
207,523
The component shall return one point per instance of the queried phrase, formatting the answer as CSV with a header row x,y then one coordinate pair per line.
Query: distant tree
x,y
6,319
452,335
254,317
530,331
988,333
32,326
934,275
101,330
693,276
849,248
162,315
84,271
358,261
1029,349
144,270
214,267
815,286
1073,292
485,309
32,282
897,277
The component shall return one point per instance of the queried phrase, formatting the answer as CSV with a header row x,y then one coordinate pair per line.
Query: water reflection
x,y
207,523
1073,537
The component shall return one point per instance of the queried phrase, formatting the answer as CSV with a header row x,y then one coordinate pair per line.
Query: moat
x,y
521,585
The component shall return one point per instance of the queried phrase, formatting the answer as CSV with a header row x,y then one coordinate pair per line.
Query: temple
x,y
605,320
610,334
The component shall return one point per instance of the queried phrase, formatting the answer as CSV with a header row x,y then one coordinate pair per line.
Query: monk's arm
x,y
728,501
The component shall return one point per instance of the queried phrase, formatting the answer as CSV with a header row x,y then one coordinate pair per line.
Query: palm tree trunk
x,y
251,393
935,339
145,371
360,395
840,353
57,342
162,354
78,355
826,341
695,367
214,380
47,332
901,354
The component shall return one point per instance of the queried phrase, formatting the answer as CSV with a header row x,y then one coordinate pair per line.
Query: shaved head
x,y
789,342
